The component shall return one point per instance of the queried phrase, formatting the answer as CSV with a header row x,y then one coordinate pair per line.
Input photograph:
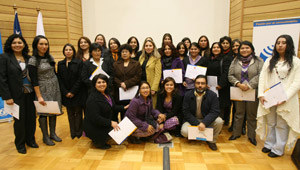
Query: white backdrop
x,y
265,33
143,18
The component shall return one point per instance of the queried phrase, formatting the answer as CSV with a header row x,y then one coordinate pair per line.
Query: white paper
x,y
176,74
98,71
212,82
274,95
193,71
128,94
12,110
51,107
238,95
126,129
195,134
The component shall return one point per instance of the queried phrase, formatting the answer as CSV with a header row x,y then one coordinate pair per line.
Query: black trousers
x,y
75,120
24,128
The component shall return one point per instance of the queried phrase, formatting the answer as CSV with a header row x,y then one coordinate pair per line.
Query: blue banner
x,y
276,22
17,28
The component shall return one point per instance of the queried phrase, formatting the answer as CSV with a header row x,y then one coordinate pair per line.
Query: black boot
x,y
52,124
44,128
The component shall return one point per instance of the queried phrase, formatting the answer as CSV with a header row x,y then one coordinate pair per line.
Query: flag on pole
x,y
1,50
40,25
17,28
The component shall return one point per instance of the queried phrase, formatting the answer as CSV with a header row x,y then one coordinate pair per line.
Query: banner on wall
x,y
4,117
265,33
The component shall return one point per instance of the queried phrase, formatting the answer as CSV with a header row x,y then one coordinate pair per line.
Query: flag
x,y
17,28
1,51
40,25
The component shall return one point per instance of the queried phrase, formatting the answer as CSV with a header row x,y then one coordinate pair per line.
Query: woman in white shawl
x,y
280,123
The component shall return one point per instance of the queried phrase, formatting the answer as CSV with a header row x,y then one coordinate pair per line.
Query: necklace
x,y
280,77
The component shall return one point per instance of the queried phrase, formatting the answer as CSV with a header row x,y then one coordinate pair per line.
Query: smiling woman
x,y
244,73
15,88
42,73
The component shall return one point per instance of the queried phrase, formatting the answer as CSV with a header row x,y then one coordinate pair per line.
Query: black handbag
x,y
296,154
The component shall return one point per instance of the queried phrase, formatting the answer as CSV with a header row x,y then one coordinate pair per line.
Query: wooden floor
x,y
80,154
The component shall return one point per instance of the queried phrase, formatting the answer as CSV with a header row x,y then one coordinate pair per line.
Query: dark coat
x,y
108,56
131,75
70,81
209,108
89,68
176,106
11,78
219,67
98,116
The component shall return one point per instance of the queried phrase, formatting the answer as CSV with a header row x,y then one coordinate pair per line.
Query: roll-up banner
x,y
265,33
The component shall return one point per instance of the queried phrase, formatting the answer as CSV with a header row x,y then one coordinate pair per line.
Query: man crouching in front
x,y
201,108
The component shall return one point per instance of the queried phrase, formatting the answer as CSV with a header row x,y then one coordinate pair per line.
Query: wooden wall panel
x,y
62,21
251,10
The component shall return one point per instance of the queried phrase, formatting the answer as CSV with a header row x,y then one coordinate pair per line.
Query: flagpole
x,y
15,8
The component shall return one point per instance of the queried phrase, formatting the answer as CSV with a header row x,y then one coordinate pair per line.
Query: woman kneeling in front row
x,y
100,107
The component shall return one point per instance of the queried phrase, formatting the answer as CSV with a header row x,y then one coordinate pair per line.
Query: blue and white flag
x,y
17,28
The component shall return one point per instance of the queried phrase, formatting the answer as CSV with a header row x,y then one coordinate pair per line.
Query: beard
x,y
200,90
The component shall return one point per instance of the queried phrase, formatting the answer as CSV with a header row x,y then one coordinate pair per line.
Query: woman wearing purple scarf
x,y
244,73
194,59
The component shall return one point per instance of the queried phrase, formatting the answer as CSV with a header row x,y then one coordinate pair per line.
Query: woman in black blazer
x,y
15,87
71,88
169,102
100,107
95,61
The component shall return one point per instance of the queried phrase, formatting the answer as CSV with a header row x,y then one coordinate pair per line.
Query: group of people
x,y
161,106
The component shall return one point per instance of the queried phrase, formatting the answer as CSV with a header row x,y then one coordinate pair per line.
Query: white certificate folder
x,y
193,71
128,94
274,95
195,134
239,95
51,107
126,129
176,74
12,109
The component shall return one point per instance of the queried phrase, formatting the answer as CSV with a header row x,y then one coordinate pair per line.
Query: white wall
x,y
142,18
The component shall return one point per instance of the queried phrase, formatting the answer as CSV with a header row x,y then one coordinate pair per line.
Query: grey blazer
x,y
235,69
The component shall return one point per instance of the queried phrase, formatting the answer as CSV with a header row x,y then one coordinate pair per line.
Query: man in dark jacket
x,y
201,108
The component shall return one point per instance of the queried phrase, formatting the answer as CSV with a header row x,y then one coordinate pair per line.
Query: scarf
x,y
245,66
194,62
227,51
246,60
167,62
115,54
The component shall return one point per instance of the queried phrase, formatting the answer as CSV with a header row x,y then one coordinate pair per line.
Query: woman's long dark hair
x,y
9,50
35,51
288,55
248,43
80,52
173,49
72,47
211,48
166,80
